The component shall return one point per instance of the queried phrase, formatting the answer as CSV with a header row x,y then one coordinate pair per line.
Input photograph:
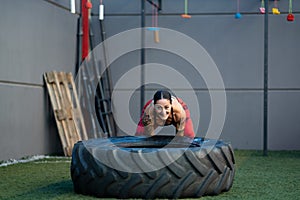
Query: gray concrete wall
x,y
237,47
38,36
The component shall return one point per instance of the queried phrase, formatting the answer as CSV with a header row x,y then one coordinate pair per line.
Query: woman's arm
x,y
145,119
180,124
148,121
185,125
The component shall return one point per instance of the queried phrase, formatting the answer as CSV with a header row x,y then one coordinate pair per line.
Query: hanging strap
x,y
290,6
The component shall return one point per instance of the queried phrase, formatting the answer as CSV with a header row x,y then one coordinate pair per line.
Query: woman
x,y
164,110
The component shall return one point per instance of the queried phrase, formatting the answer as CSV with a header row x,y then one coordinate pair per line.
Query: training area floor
x,y
276,176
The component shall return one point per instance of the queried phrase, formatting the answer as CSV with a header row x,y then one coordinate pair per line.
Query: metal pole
x,y
142,90
78,45
107,77
265,124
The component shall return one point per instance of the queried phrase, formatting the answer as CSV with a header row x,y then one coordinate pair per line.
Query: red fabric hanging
x,y
85,6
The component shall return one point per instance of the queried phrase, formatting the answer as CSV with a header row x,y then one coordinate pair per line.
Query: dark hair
x,y
162,94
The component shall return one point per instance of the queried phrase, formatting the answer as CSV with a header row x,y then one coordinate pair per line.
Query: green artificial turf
x,y
276,176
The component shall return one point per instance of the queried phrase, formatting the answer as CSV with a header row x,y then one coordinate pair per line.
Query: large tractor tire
x,y
154,167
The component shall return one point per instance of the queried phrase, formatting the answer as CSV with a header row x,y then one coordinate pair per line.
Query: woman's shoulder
x,y
149,106
177,107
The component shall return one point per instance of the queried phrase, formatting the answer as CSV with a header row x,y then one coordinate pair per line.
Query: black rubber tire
x,y
197,172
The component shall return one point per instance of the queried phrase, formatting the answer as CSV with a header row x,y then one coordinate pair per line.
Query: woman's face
x,y
163,108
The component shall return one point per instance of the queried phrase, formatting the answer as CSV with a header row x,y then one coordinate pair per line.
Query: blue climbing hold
x,y
238,15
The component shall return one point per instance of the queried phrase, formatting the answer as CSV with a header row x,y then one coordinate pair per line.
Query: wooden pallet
x,y
66,107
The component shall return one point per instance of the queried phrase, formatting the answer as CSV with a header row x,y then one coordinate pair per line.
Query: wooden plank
x,y
59,97
67,112
78,112
49,79
68,100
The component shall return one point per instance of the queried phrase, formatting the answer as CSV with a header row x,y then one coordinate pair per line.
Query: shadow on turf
x,y
59,189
